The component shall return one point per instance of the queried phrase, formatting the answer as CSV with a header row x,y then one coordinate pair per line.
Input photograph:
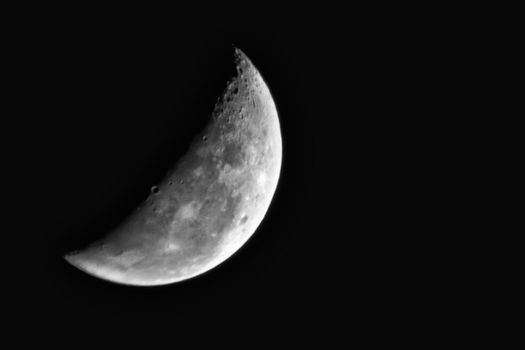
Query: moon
x,y
209,204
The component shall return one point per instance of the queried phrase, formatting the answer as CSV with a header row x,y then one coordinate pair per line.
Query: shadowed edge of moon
x,y
262,120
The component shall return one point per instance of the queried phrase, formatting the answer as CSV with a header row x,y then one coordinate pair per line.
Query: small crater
x,y
244,219
155,189
204,138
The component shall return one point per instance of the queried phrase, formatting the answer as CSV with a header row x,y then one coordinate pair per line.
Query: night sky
x,y
106,106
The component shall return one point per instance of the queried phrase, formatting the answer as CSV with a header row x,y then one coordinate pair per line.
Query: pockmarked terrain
x,y
209,204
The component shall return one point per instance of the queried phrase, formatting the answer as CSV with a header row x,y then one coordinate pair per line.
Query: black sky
x,y
104,107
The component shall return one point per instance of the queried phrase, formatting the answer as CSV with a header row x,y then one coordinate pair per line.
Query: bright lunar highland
x,y
209,204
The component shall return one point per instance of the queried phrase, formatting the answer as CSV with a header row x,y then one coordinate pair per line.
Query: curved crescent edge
x,y
235,239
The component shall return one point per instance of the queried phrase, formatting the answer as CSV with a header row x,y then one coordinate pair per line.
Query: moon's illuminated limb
x,y
212,202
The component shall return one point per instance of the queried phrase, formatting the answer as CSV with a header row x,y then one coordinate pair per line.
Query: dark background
x,y
107,110
105,105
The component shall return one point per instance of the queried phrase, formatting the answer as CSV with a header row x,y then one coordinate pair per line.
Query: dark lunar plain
x,y
104,107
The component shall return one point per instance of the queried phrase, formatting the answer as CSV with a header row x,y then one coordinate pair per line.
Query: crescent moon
x,y
212,201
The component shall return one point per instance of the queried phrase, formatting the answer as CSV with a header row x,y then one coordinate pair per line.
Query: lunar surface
x,y
212,201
